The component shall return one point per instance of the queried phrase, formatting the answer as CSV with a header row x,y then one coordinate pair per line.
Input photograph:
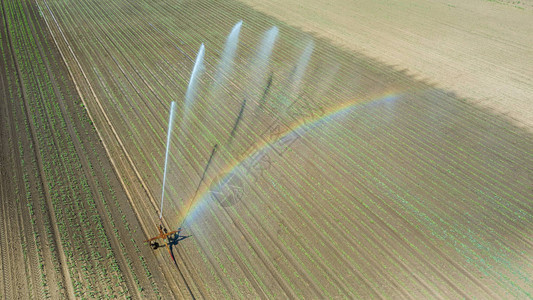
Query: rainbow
x,y
300,126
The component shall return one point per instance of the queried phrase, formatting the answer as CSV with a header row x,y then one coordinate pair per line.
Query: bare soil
x,y
481,50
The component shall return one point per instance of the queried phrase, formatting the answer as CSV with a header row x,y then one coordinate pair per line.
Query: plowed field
x,y
344,177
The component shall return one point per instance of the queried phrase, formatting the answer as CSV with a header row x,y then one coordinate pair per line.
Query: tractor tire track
x,y
85,166
138,189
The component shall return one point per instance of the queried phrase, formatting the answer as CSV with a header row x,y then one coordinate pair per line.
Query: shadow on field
x,y
174,241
